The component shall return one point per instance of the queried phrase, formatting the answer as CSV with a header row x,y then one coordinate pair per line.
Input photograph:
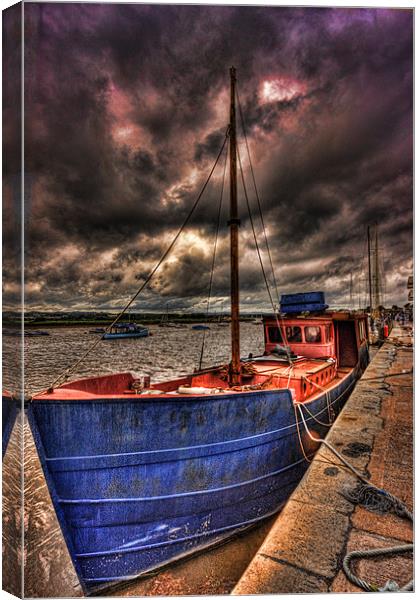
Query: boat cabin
x,y
126,328
335,335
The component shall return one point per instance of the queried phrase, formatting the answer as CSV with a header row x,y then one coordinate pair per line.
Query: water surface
x,y
166,354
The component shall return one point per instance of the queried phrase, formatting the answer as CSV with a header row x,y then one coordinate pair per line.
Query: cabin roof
x,y
330,315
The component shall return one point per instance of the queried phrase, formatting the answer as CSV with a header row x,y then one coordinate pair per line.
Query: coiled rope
x,y
373,498
379,501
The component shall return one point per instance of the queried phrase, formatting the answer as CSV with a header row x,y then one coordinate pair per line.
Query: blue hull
x,y
138,483
119,336
9,410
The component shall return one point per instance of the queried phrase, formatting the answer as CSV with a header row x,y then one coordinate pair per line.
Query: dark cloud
x,y
127,107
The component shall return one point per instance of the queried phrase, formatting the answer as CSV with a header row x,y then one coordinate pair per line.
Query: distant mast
x,y
377,272
235,366
375,285
370,271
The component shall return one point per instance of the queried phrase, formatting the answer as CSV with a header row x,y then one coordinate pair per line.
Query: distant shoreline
x,y
98,323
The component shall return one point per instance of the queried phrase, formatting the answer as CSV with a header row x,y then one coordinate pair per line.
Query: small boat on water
x,y
200,327
97,330
165,322
26,332
125,330
142,474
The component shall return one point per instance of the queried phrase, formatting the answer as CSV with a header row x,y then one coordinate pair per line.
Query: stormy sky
x,y
126,108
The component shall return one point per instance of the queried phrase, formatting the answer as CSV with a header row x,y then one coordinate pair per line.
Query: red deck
x,y
307,378
326,345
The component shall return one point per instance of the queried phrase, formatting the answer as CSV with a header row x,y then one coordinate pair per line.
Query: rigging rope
x,y
254,234
259,252
331,416
213,261
257,194
282,330
65,374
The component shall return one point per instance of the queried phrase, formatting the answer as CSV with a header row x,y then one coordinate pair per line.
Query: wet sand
x,y
12,512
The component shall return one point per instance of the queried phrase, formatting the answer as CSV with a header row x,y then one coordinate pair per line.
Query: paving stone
x,y
307,537
385,525
269,576
323,484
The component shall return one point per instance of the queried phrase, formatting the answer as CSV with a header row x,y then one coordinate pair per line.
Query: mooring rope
x,y
66,373
298,433
315,418
368,495
327,393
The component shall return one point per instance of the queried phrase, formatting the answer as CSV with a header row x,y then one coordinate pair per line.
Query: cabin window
x,y
274,335
313,334
328,334
294,334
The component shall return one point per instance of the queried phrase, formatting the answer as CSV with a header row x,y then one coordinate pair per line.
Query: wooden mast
x,y
235,366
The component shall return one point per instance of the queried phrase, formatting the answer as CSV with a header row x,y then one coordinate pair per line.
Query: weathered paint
x,y
139,482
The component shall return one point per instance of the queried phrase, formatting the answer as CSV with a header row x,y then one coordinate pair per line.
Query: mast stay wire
x,y
67,372
257,195
259,252
216,236
281,330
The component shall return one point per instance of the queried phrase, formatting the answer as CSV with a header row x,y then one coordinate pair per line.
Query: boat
x,y
165,322
97,330
222,321
125,330
35,332
200,327
142,473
